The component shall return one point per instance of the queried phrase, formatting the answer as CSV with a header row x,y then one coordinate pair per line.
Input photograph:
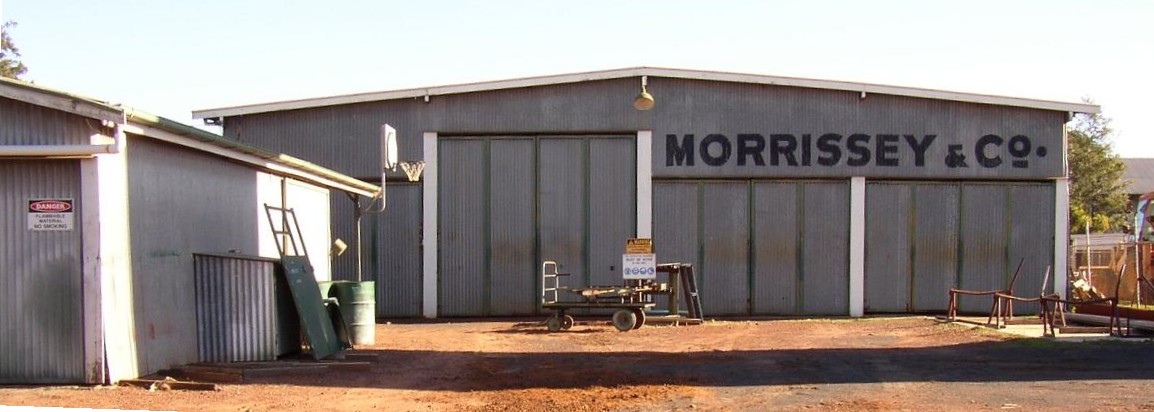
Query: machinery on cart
x,y
631,300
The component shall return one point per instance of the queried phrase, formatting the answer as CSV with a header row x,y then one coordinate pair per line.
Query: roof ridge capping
x,y
645,71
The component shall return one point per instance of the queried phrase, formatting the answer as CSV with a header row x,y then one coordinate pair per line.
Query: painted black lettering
x,y
886,150
680,154
827,145
1020,148
980,150
920,148
857,145
782,144
726,149
806,149
750,145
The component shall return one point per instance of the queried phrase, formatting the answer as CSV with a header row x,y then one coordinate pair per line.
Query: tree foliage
x,y
1097,191
10,64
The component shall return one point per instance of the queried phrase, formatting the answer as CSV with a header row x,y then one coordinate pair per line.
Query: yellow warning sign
x,y
638,245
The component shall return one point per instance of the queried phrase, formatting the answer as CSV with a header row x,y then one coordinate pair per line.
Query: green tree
x,y
10,65
1097,191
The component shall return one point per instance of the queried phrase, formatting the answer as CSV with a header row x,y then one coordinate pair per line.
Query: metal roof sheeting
x,y
638,72
149,125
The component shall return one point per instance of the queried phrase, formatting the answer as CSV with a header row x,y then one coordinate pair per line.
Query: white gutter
x,y
72,150
80,150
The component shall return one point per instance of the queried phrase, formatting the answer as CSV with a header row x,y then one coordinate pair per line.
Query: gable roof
x,y
145,124
1139,174
638,72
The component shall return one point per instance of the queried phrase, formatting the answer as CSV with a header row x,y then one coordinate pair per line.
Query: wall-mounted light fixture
x,y
644,100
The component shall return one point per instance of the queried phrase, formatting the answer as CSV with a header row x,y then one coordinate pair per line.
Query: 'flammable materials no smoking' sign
x,y
48,215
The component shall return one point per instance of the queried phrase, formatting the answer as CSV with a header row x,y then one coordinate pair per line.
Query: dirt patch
x,y
906,363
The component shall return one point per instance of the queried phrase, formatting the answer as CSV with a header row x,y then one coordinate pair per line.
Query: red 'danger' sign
x,y
48,215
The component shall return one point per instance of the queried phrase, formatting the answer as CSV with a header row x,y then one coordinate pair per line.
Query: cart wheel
x,y
640,313
553,323
624,320
566,322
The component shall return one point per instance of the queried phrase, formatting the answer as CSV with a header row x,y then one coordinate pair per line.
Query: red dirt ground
x,y
908,363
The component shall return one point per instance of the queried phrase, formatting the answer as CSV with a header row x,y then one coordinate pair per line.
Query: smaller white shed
x,y
101,210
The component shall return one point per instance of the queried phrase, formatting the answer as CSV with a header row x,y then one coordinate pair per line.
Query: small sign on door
x,y
50,215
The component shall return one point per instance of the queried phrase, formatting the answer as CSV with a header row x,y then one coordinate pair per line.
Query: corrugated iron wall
x,y
512,236
686,106
1032,239
177,208
924,238
776,249
724,265
26,124
40,277
984,227
825,239
612,206
762,247
461,286
397,242
236,310
702,108
937,220
888,248
562,190
512,201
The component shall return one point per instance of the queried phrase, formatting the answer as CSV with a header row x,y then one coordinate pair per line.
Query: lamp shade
x,y
643,101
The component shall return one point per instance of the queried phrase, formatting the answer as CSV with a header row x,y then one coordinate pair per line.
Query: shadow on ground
x,y
1017,360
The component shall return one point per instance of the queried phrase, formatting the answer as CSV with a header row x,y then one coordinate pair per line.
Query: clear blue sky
x,y
171,57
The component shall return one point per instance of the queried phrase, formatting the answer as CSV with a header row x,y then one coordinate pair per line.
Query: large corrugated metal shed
x,y
864,88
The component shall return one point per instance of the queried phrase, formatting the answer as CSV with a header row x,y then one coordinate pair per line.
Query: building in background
x,y
791,196
104,207
1139,177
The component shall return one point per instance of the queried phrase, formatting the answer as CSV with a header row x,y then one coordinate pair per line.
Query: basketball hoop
x,y
413,169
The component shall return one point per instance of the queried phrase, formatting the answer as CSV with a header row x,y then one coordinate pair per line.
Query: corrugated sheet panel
x,y
825,253
888,247
777,223
675,210
322,135
724,271
25,124
397,246
562,206
935,243
236,311
177,208
463,233
40,277
984,229
1032,239
612,205
513,272
675,229
687,106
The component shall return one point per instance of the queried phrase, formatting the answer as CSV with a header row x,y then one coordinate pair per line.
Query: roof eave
x,y
59,100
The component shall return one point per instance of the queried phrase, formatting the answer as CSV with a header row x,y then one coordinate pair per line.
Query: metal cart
x,y
630,300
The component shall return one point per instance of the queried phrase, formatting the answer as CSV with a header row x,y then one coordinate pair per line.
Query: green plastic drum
x,y
359,308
